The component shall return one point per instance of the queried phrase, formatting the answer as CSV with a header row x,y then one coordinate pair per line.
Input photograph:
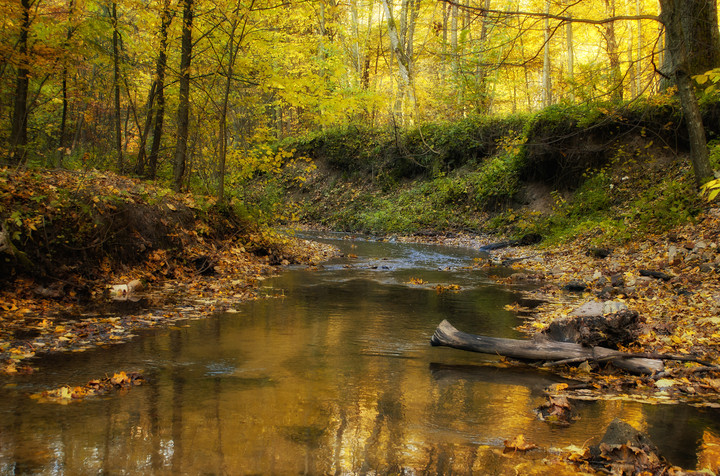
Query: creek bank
x,y
96,257
667,285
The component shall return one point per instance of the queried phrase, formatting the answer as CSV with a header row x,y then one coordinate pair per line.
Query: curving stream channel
x,y
334,376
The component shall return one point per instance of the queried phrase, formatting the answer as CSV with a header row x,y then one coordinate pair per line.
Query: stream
x,y
333,375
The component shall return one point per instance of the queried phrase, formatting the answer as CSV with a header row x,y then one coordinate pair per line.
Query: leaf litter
x,y
103,290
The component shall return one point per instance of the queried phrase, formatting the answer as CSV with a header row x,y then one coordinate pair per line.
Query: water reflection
x,y
336,377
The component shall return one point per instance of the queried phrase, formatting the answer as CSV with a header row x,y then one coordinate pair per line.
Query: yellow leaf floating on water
x,y
576,453
450,287
120,381
518,444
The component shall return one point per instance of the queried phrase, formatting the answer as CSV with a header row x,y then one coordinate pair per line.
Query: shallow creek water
x,y
334,376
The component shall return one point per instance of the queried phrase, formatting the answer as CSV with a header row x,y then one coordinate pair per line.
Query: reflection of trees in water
x,y
178,383
327,381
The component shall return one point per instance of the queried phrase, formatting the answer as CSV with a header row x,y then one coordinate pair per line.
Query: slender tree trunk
x,y
674,15
632,70
546,78
570,57
612,52
483,66
454,37
152,160
142,153
405,79
184,99
639,55
116,86
18,132
356,57
63,119
444,48
62,139
232,56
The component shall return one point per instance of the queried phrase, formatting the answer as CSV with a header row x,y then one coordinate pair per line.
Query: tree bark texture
x,y
695,25
613,53
546,78
683,56
184,99
449,336
116,86
20,109
404,61
167,17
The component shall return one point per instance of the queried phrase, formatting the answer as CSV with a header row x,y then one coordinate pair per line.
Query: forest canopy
x,y
192,88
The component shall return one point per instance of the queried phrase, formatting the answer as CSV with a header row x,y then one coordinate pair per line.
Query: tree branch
x,y
484,11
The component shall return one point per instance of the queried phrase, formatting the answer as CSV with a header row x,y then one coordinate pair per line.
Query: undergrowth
x,y
611,171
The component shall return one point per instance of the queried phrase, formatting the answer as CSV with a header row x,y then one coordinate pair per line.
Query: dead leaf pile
x,y
556,411
118,382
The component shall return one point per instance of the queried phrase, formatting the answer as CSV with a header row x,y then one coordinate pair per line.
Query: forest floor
x,y
90,258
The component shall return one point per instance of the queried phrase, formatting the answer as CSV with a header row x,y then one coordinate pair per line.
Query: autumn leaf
x,y
518,444
65,394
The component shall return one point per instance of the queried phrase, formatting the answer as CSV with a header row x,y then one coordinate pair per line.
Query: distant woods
x,y
187,90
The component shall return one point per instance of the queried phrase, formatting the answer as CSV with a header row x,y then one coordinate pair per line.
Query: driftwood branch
x,y
558,352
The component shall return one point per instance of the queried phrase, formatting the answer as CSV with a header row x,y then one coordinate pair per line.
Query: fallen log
x,y
541,350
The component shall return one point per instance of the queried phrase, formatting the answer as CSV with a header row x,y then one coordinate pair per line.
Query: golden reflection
x,y
335,382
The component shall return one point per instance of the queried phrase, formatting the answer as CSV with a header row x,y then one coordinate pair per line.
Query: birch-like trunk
x,y
546,79
404,63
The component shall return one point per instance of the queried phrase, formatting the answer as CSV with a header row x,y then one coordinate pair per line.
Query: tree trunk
x,y
674,15
483,64
639,40
184,99
18,134
613,53
696,26
404,63
62,139
570,57
449,336
546,80
63,119
116,86
232,56
142,153
167,17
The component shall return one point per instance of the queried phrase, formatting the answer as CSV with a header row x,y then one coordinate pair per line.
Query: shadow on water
x,y
337,376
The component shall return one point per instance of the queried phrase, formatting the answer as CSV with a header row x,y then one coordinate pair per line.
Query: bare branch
x,y
602,21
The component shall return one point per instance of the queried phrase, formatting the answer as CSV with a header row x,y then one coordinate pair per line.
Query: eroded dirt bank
x,y
89,258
